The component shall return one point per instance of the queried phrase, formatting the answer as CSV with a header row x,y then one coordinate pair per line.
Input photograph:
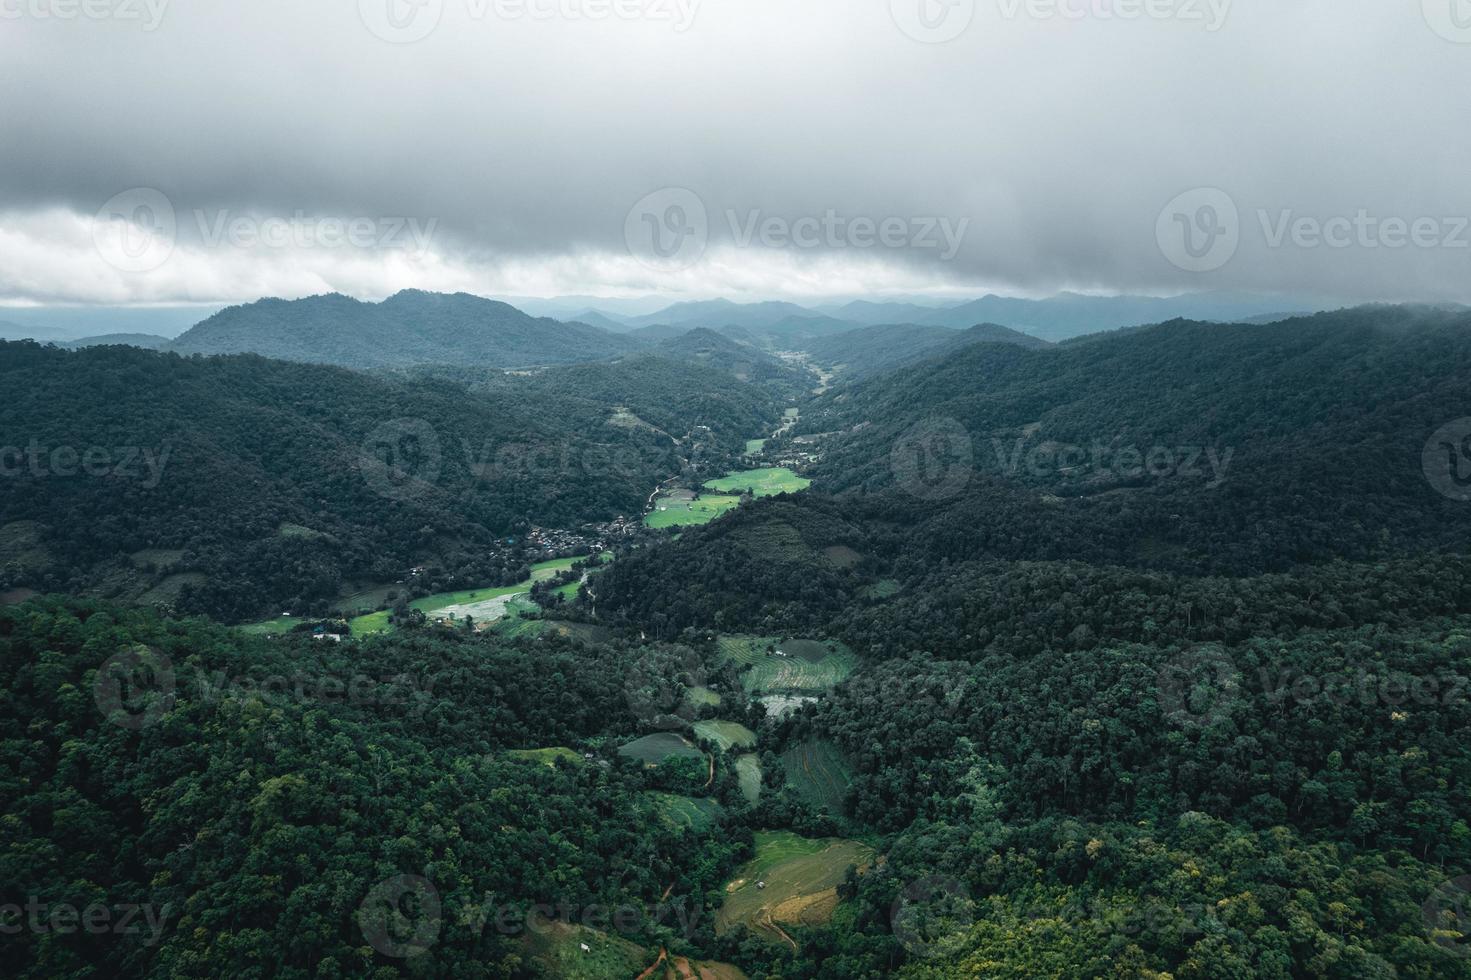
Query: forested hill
x,y
1185,449
267,482
873,350
410,327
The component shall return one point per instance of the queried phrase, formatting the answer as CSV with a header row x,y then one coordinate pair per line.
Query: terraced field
x,y
725,734
683,811
776,665
792,881
748,773
819,774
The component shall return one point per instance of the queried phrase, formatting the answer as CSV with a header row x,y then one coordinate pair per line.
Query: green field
x,y
818,773
654,749
683,811
725,734
776,665
546,757
686,513
748,772
754,446
272,627
700,695
800,877
766,482
481,605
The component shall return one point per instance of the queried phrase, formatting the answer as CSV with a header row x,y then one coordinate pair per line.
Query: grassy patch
x,y
800,876
654,749
481,605
767,482
547,757
725,734
555,950
883,589
754,446
272,627
818,773
700,695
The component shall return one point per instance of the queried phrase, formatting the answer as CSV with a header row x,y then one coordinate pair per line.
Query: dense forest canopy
x,y
1065,719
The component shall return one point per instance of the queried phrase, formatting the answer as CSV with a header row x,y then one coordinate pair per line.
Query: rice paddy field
x,y
725,734
800,876
767,482
670,512
654,749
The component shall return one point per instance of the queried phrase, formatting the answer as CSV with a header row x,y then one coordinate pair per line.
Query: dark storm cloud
x,y
1048,137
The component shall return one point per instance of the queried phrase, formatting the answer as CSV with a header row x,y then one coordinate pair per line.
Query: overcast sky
x,y
748,148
